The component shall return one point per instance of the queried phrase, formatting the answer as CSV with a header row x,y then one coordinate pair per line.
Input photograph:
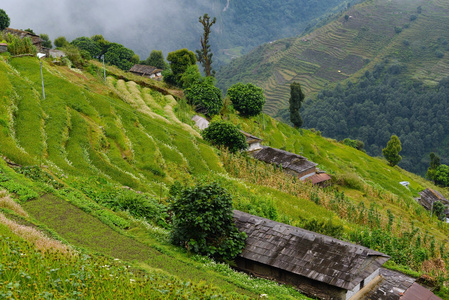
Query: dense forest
x,y
381,104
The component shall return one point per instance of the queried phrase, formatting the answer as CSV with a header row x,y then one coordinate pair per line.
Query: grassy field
x,y
103,155
364,35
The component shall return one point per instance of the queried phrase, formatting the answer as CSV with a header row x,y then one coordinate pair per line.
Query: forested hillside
x,y
399,38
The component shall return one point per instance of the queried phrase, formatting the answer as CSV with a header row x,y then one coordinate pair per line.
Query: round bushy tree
x,y
179,61
87,44
4,20
203,222
205,96
442,175
226,134
248,99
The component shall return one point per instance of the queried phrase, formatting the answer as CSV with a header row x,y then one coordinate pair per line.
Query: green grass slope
x,y
364,35
94,157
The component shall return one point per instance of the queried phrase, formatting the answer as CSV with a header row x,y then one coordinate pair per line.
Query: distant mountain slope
x,y
412,33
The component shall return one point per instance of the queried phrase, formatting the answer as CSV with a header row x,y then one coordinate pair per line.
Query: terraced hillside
x,y
413,33
92,165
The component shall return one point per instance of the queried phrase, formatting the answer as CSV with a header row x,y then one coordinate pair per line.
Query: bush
x,y
223,133
205,96
248,99
17,46
203,222
442,175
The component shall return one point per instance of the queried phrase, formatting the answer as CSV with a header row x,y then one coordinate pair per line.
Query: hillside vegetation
x,y
405,32
92,165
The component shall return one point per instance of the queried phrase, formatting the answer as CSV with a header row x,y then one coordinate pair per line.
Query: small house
x,y
429,197
291,163
200,122
3,47
253,141
147,71
317,265
35,39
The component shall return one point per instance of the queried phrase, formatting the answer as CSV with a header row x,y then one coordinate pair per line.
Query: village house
x,y
253,141
317,265
35,39
293,164
3,47
430,196
147,71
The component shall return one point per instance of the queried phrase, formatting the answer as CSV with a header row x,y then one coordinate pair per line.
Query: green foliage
x,y
87,44
435,162
438,210
120,56
442,175
156,59
73,53
248,99
61,42
4,20
205,96
191,76
204,56
295,101
357,144
102,43
203,222
17,46
46,42
222,133
179,61
391,152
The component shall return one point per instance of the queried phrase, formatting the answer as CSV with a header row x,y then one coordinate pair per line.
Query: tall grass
x,y
17,46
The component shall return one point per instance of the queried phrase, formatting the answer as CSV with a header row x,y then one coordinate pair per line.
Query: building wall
x,y
305,285
254,146
358,287
3,48
310,171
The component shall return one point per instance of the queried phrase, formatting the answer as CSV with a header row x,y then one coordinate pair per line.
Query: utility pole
x,y
40,56
104,70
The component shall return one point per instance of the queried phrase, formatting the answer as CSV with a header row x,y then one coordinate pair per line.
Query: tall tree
x,y
4,20
296,99
179,61
46,41
435,162
204,56
156,59
391,152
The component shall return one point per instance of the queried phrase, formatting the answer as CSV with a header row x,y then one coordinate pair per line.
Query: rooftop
x,y
286,159
306,253
144,69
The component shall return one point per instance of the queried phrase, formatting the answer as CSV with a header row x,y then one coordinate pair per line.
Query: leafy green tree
x,y
46,41
391,152
296,99
156,59
204,56
248,99
442,175
179,61
102,43
120,56
357,144
435,162
60,42
205,96
190,77
203,221
4,20
222,133
438,210
87,44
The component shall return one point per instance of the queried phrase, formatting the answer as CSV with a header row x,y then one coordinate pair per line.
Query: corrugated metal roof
x,y
307,253
418,292
285,159
429,196
318,178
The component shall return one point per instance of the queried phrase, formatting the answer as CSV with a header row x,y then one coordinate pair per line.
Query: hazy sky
x,y
142,25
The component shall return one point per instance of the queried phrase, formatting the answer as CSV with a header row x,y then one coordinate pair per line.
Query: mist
x,y
141,25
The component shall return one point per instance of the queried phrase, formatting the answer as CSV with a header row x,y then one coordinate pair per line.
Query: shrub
x,y
223,133
442,175
248,99
203,222
205,96
17,46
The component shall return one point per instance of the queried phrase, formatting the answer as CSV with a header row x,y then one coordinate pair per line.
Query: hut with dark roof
x,y
429,197
317,265
35,39
253,141
291,163
146,71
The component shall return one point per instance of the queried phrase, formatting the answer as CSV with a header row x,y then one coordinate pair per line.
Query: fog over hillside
x,y
152,24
